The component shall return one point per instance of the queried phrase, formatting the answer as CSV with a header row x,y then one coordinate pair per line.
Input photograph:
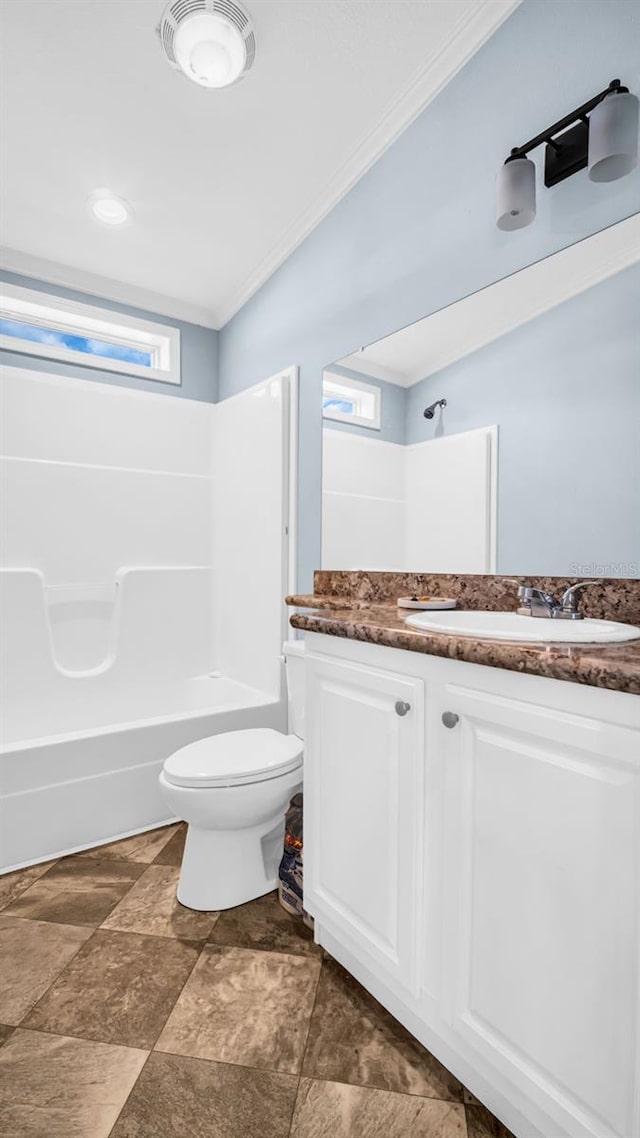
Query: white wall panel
x,y
362,533
250,551
352,464
82,523
106,503
363,492
450,523
69,420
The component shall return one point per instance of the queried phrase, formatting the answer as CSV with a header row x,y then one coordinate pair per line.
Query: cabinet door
x,y
364,763
541,865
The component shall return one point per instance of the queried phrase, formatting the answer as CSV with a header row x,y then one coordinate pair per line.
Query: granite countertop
x,y
616,666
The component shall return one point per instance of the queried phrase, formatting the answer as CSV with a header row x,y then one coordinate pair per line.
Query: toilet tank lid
x,y
233,758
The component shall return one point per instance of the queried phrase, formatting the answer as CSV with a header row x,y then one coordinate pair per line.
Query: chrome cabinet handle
x,y
401,707
449,718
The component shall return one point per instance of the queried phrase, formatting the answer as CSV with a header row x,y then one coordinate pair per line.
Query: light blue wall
x,y
417,232
199,350
565,393
392,409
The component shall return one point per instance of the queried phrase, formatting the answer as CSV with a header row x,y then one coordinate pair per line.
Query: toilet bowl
x,y
232,790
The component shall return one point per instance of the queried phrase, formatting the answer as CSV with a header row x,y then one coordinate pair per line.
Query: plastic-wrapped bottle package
x,y
290,891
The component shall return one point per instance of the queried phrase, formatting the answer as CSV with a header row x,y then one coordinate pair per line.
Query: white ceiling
x,y
224,184
423,348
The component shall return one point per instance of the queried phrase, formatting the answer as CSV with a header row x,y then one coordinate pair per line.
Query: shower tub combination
x,y
103,676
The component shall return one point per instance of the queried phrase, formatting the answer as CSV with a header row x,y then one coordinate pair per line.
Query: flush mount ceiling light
x,y
211,41
606,142
108,208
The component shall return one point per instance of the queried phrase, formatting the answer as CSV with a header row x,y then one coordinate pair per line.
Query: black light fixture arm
x,y
579,115
601,134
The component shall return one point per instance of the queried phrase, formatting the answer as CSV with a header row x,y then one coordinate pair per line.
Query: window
x,y
56,329
350,401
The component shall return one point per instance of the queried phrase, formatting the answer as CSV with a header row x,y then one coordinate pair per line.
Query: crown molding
x,y
371,369
437,70
51,272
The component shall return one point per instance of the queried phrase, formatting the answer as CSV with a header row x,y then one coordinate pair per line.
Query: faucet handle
x,y
569,601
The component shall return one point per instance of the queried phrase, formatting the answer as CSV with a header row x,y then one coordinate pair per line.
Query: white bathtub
x,y
72,789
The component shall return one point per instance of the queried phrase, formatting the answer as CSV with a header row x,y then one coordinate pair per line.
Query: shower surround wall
x,y
113,643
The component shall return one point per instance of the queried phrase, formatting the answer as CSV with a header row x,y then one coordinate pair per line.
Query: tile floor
x,y
124,1014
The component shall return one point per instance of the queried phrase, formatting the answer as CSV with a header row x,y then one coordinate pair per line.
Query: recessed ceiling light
x,y
212,42
109,208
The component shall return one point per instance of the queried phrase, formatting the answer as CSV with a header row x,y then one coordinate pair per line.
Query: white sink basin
x,y
531,629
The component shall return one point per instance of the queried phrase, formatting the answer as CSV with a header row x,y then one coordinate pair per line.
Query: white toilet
x,y
233,790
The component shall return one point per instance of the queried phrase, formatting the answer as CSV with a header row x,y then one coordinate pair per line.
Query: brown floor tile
x,y
151,906
482,1124
190,1098
251,1008
13,884
174,849
51,1087
263,923
140,847
77,891
119,989
32,955
5,1032
333,1110
353,1039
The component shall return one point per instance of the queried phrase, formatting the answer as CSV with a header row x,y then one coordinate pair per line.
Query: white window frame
x,y
341,386
27,305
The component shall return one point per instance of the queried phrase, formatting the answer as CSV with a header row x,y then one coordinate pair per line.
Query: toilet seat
x,y
234,758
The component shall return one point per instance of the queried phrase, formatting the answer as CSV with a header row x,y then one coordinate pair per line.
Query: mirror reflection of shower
x,y
430,411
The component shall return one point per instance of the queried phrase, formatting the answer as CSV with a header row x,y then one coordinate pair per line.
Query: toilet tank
x,y
293,651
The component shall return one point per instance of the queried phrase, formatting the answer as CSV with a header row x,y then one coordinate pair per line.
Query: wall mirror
x,y
528,459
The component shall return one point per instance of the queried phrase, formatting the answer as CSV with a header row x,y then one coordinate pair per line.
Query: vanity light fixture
x,y
107,207
211,41
601,134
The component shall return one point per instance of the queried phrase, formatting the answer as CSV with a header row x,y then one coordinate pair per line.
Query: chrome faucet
x,y
535,602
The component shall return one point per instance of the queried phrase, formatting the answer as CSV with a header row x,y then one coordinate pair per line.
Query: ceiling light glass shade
x,y
613,137
210,50
516,194
109,208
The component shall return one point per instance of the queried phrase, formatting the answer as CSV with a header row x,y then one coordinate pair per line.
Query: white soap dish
x,y
423,603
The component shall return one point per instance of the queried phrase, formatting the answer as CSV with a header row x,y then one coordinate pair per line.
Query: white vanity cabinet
x,y
364,832
540,872
483,879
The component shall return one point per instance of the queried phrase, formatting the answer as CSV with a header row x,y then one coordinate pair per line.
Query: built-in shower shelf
x,y
146,618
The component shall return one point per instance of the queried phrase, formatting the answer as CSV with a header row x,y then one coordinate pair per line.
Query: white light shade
x,y
210,50
613,137
109,208
516,194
